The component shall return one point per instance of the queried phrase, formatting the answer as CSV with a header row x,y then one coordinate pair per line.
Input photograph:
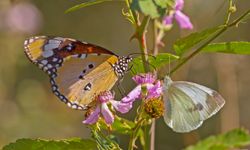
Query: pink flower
x,y
145,81
102,108
179,16
24,18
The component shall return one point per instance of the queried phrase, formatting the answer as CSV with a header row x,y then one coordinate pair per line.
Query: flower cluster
x,y
147,88
101,108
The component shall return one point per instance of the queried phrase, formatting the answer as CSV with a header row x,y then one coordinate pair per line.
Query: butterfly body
x,y
78,71
189,104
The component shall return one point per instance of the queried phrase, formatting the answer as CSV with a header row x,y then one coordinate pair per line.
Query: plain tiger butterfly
x,y
78,70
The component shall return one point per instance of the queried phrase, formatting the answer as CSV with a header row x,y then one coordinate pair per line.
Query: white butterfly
x,y
188,104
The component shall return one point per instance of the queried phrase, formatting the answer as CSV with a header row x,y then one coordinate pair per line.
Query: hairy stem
x,y
141,37
134,134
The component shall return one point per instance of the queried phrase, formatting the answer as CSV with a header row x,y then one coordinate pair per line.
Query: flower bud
x,y
154,107
233,9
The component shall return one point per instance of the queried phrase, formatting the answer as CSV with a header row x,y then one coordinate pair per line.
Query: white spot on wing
x,y
49,66
44,61
52,41
54,59
25,42
59,38
83,56
47,53
51,46
31,40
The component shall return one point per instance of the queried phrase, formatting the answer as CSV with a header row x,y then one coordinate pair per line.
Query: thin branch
x,y
235,22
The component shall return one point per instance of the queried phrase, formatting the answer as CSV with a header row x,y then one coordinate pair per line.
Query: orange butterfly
x,y
78,70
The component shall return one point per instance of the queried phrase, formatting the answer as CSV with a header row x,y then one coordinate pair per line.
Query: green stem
x,y
209,41
134,134
235,22
155,37
197,51
141,37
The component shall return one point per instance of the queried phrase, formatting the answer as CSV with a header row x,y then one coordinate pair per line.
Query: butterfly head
x,y
122,65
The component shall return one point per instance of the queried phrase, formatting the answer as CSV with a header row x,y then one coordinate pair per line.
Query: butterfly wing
x,y
78,70
79,81
178,114
189,104
207,101
49,52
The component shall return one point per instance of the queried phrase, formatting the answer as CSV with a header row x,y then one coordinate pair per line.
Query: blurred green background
x,y
28,109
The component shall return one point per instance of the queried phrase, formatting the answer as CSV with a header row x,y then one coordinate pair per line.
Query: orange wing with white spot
x,y
78,71
50,52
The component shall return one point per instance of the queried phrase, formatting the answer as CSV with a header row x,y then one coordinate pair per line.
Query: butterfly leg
x,y
120,88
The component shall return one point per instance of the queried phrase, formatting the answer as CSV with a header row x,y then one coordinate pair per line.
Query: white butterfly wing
x,y
178,114
188,104
207,101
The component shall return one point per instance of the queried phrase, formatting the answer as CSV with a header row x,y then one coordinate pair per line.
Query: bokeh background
x,y
28,109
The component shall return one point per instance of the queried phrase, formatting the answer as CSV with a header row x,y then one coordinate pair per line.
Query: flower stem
x,y
141,37
209,41
134,134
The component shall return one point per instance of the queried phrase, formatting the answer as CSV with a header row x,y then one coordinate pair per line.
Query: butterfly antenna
x,y
132,54
169,66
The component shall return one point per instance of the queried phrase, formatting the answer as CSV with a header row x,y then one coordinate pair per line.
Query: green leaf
x,y
40,144
122,125
233,139
85,4
104,142
153,8
164,3
229,47
184,44
154,62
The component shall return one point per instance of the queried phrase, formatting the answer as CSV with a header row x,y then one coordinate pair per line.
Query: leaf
x,y
229,47
104,142
120,125
153,8
164,3
85,4
40,144
233,139
154,62
184,44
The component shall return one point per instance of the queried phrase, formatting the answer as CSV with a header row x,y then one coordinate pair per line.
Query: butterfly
x,y
78,71
188,104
